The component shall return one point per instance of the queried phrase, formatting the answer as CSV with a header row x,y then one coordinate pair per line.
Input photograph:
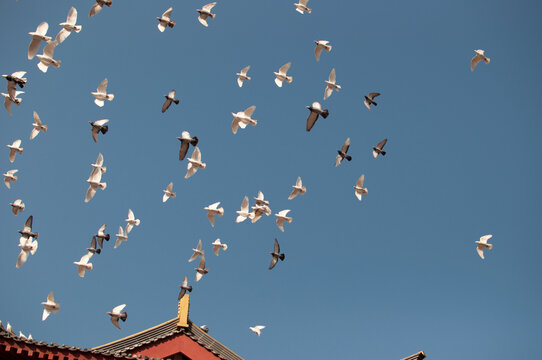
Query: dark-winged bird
x,y
101,236
342,153
93,249
13,80
316,110
27,230
369,100
276,255
116,314
97,127
186,140
170,97
184,288
377,150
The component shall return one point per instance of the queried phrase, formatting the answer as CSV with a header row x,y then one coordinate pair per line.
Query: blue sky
x,y
384,278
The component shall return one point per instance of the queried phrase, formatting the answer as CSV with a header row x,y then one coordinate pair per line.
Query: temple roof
x,y
130,344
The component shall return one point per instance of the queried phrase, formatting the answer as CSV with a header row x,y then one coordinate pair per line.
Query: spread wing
x,y
96,8
284,68
311,120
72,16
373,95
346,146
332,76
245,70
102,88
49,49
183,149
167,13
360,181
118,309
42,28
381,144
475,60
208,7
28,224
318,51
33,48
248,112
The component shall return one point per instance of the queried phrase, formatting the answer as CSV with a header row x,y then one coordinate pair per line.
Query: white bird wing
x,y
191,171
167,13
42,28
475,60
170,187
37,118
293,194
96,8
131,215
360,181
208,7
198,276
239,82
85,258
284,68
244,204
72,16
216,249
214,206
95,175
327,92
18,74
45,314
101,229
284,212
202,19
23,256
303,2
101,122
249,111
338,160
332,76
90,193
62,35
480,251
245,70
211,217
196,155
33,48
485,238
100,160
162,27
51,297
49,49
102,88
118,309
299,182
235,125
318,51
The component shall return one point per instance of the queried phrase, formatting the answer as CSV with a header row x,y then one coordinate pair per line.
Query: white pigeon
x,y
96,8
28,246
197,252
117,314
330,85
359,190
482,244
94,181
37,126
217,245
8,100
201,270
242,118
84,264
281,218
298,189
50,306
99,164
165,20
205,12
321,45
10,177
281,75
37,37
14,149
47,59
121,236
68,26
243,214
131,221
242,76
101,94
257,329
301,7
17,206
258,211
194,163
213,210
168,193
477,58
170,97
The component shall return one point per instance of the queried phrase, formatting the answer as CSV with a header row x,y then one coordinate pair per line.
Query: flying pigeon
x,y
68,26
330,85
213,210
315,111
37,126
281,217
301,7
217,245
101,94
242,76
13,80
482,244
186,140
260,200
359,190
477,58
37,37
8,100
243,118
50,306
258,328
14,149
17,206
197,252
298,189
47,59
98,6
170,97
201,270
281,75
276,255
101,236
10,177
205,12
243,214
94,181
84,264
28,246
204,328
117,314
165,20
321,45
342,153
168,193
99,164
93,248
131,221
97,127
369,100
258,211
184,288
194,163
27,229
377,150
121,236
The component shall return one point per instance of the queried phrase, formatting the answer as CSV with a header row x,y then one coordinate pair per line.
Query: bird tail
x,y
78,28
309,10
289,79
194,141
176,101
487,60
171,24
203,165
34,247
212,16
98,251
137,222
383,153
103,186
173,195
374,103
44,128
124,316
328,48
90,266
106,237
56,64
348,157
490,246
110,97
325,113
104,129
104,169
225,247
220,212
281,257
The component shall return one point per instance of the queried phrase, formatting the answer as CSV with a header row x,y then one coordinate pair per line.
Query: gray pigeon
x,y
377,150
170,97
27,230
101,236
186,140
276,255
184,288
342,153
92,247
369,100
316,110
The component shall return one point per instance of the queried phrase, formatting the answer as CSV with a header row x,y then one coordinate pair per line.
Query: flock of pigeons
x,y
28,240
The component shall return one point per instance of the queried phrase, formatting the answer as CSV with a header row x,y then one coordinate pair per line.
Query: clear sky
x,y
377,279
